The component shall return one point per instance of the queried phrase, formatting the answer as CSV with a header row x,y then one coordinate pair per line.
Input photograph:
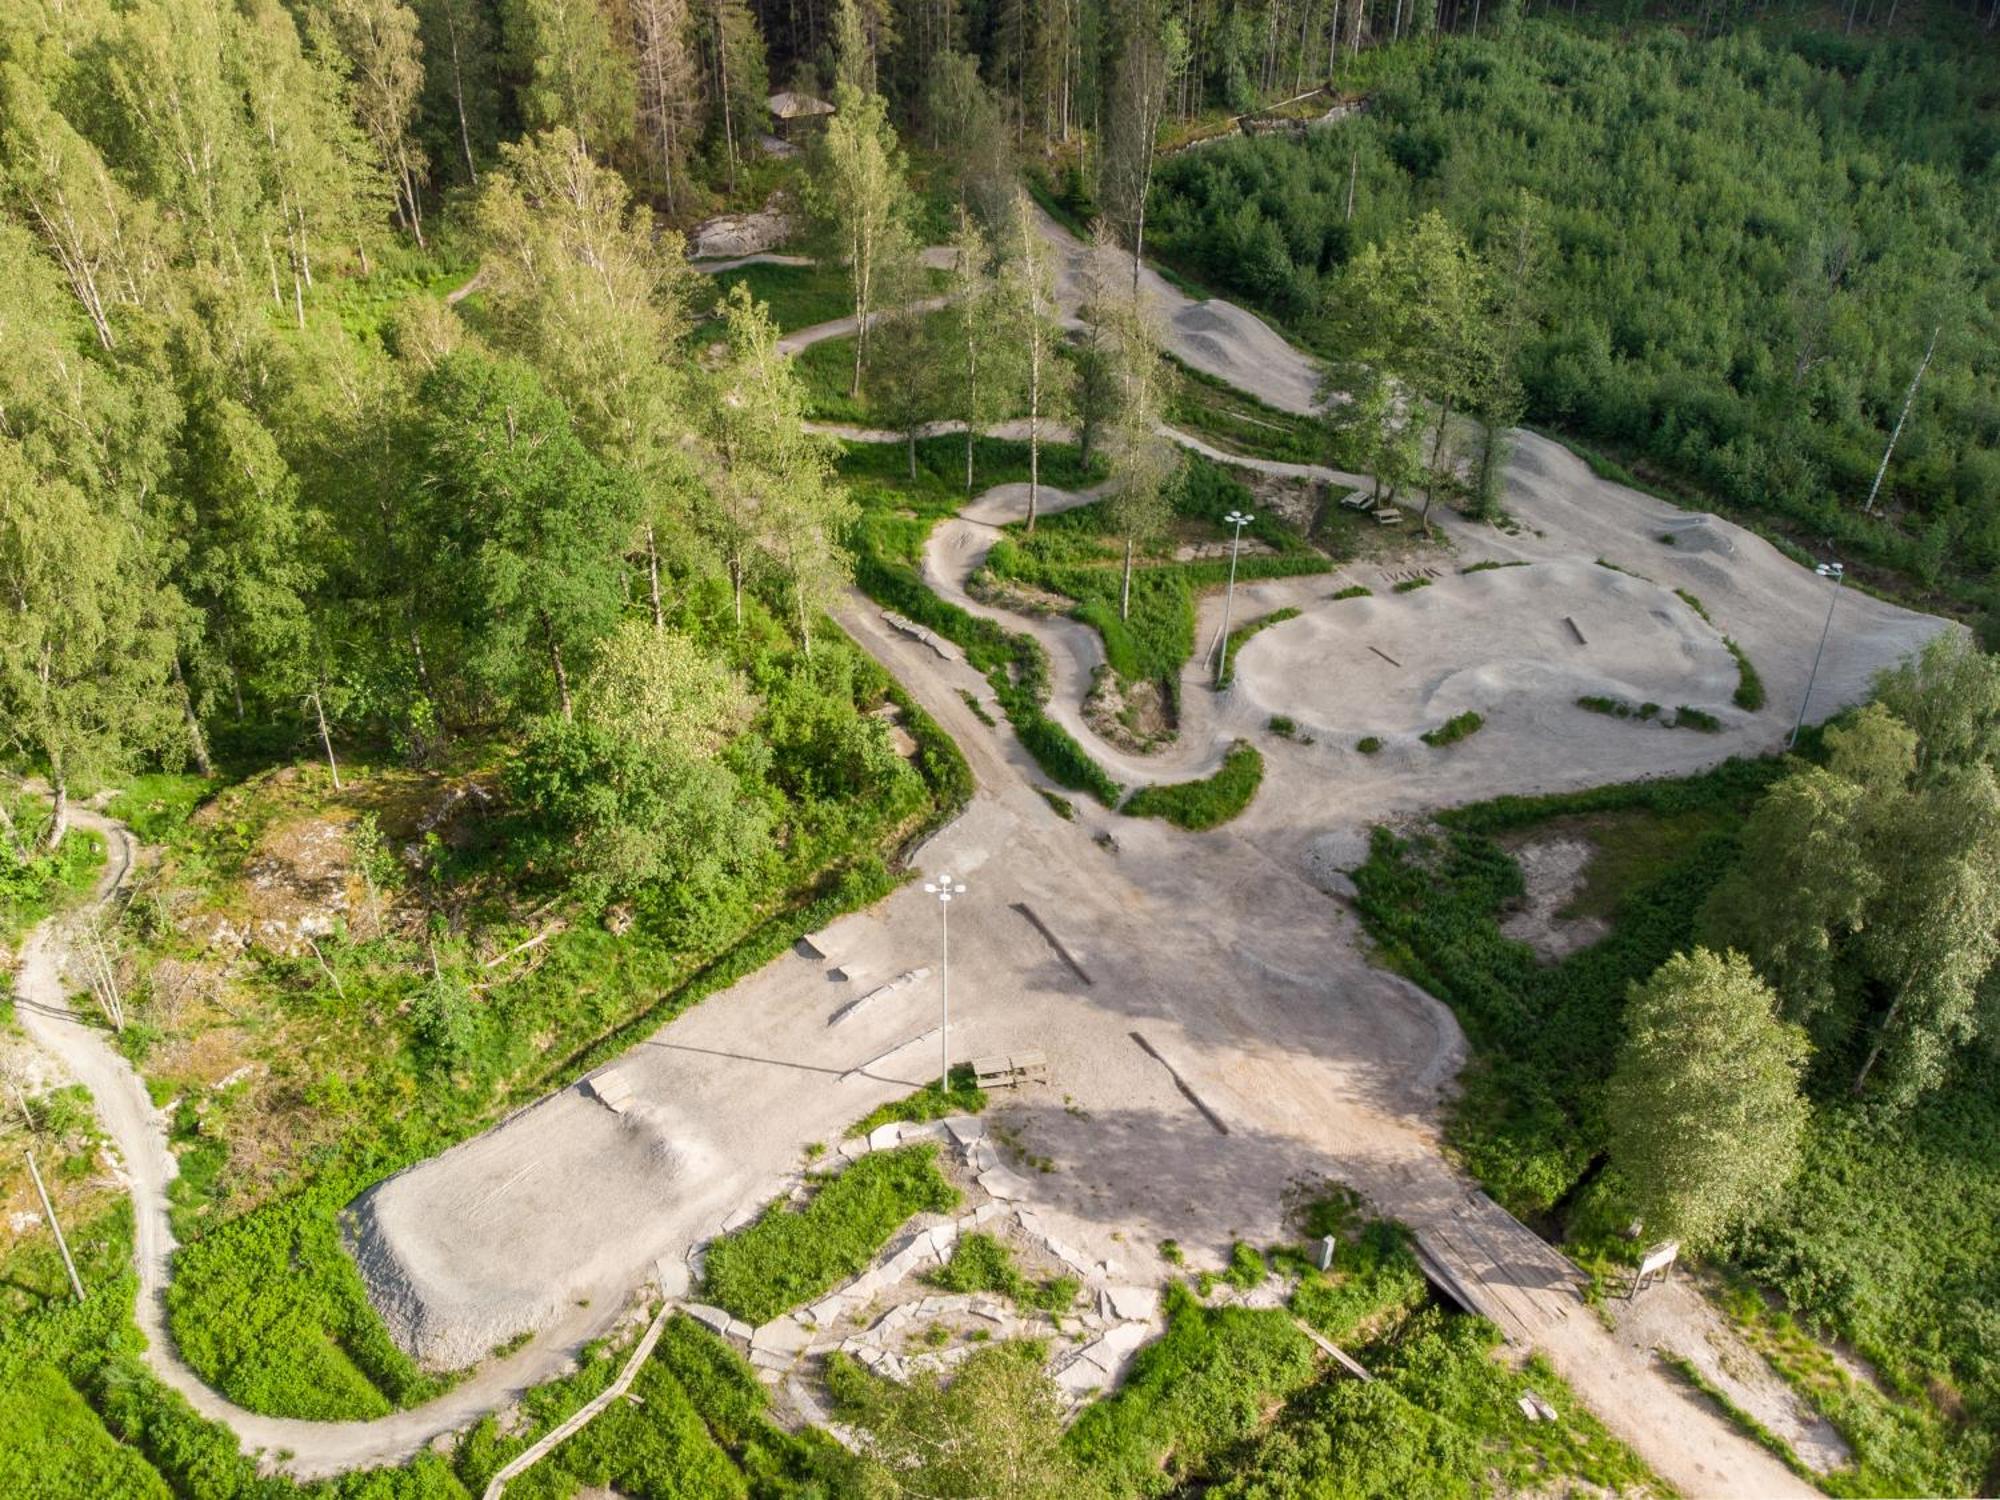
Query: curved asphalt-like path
x,y
1269,1023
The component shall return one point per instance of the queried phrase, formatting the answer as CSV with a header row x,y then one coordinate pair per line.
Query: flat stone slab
x,y
780,1336
965,1129
1134,1303
1003,1184
1081,1378
713,1318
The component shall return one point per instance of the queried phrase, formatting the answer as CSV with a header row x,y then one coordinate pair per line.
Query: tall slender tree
x,y
857,191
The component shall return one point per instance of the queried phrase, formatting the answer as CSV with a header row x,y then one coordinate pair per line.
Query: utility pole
x,y
944,888
1903,416
1236,518
61,1244
1838,574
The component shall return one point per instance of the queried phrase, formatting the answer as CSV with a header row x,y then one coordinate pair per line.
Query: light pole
x,y
1838,573
944,888
1239,520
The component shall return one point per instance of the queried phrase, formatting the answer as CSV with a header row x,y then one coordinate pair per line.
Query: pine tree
x,y
669,97
575,73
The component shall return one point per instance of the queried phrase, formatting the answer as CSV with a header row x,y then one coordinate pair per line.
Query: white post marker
x,y
1237,519
1838,573
944,888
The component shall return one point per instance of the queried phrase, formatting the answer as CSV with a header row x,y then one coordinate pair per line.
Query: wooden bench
x,y
1006,1071
1388,515
1357,500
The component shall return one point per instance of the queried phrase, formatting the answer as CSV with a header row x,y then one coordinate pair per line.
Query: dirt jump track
x,y
1231,1038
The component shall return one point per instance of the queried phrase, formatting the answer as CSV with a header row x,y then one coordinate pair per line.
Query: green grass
x,y
1411,585
1694,604
980,1263
1454,729
1440,1418
1352,591
898,514
798,296
1696,719
41,884
1490,565
1749,694
1246,1267
1884,1237
1243,633
1209,802
1237,422
1190,1396
1529,1120
1076,553
1374,1278
1368,744
265,1304
1060,805
53,1446
827,371
964,1097
791,1255
1754,1429
271,1311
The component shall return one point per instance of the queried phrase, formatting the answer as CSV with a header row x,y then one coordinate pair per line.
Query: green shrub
x,y
1060,805
1282,725
1616,707
1749,686
1209,802
1408,585
1454,729
1487,565
1243,633
980,1263
1373,1277
53,1445
270,1310
1246,1267
791,1255
1695,718
1191,1395
1352,591
964,1097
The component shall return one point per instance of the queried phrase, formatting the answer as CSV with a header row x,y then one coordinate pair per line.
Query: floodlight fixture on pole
x,y
1237,519
944,888
1838,573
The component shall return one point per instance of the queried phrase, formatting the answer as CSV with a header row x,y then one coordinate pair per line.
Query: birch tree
x,y
461,88
1143,463
385,59
1704,1111
984,353
1032,324
1141,83
857,192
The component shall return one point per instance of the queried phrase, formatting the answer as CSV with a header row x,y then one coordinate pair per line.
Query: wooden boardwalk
x,y
1489,1262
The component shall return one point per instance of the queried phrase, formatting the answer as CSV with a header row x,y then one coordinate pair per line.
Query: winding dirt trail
x,y
1244,979
138,1133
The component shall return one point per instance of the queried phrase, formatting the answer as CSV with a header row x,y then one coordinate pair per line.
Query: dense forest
x,y
360,407
1741,253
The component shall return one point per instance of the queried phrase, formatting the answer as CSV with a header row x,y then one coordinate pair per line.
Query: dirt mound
x,y
484,1243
